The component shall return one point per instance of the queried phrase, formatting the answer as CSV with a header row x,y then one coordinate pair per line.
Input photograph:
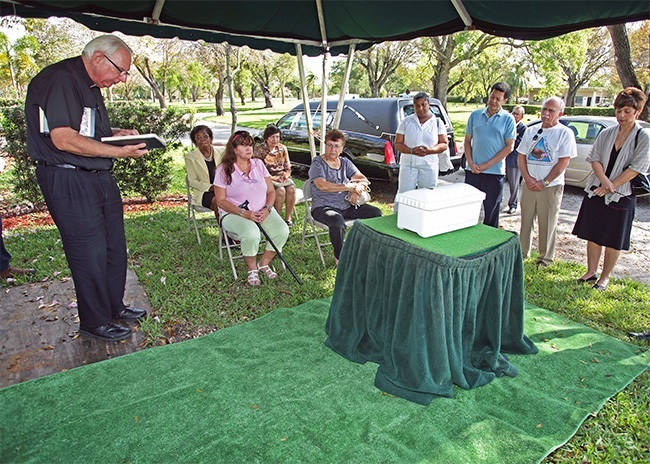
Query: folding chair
x,y
203,220
312,228
300,199
230,242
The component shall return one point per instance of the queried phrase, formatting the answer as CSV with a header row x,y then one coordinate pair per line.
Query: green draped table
x,y
432,312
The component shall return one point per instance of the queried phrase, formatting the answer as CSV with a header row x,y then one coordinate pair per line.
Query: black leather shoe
x,y
640,335
131,314
110,332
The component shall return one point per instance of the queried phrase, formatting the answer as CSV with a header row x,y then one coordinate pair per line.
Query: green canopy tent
x,y
333,24
320,27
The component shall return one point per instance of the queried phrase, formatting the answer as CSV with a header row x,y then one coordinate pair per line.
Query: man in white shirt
x,y
544,155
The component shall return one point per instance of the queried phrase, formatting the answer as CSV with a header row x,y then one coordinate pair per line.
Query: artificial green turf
x,y
463,242
270,391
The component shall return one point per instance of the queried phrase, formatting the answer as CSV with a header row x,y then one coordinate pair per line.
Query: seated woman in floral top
x,y
276,158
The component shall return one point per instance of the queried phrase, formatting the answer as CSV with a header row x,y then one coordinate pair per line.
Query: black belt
x,y
70,166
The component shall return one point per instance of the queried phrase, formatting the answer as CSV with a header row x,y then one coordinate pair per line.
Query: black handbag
x,y
640,184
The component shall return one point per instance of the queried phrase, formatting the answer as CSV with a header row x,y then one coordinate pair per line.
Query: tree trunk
x,y
374,89
623,59
218,100
440,82
268,103
240,93
149,77
231,90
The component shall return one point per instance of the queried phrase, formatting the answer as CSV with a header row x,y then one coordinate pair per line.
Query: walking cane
x,y
244,205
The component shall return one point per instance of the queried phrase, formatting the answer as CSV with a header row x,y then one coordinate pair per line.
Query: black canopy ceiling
x,y
280,24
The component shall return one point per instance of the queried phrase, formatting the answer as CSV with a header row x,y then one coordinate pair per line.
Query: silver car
x,y
585,129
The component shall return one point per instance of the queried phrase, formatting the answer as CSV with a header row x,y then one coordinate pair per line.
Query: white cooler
x,y
446,208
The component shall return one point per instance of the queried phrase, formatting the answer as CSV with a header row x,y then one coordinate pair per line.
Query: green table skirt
x,y
429,320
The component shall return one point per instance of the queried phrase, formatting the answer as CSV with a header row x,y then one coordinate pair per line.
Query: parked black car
x,y
368,124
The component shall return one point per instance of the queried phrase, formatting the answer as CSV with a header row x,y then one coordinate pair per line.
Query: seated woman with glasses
x,y
245,196
200,165
276,157
336,181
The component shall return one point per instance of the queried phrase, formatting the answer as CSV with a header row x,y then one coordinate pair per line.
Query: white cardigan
x,y
636,158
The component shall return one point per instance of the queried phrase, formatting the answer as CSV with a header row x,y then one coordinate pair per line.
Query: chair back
x,y
306,190
190,202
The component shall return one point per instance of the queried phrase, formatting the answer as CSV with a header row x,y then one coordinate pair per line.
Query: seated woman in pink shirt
x,y
240,178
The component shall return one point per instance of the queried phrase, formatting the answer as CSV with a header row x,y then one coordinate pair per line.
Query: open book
x,y
152,140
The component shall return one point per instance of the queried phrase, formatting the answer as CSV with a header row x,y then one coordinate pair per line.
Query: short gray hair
x,y
107,44
520,108
557,100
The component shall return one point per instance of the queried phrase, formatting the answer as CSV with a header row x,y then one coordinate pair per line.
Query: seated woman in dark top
x,y
337,181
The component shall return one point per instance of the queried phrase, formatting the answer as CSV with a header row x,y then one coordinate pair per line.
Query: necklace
x,y
621,137
211,157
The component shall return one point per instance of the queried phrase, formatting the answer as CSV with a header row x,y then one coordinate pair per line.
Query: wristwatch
x,y
268,208
546,183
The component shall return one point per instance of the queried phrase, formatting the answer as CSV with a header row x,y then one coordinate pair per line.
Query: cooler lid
x,y
443,196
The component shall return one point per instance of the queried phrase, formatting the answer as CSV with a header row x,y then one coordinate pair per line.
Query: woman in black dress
x,y
617,156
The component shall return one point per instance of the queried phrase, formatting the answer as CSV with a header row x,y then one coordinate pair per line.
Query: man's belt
x,y
69,166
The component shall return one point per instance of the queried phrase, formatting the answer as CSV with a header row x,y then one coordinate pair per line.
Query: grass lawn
x,y
253,114
193,293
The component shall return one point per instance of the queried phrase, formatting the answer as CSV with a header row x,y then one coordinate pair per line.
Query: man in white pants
x,y
544,155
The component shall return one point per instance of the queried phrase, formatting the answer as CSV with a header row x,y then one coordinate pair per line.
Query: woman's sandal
x,y
593,278
267,271
254,278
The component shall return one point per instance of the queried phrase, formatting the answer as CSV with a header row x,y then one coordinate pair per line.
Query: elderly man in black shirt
x,y
66,119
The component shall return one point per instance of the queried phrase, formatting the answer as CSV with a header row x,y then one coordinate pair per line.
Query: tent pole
x,y
155,14
344,87
305,100
462,12
323,105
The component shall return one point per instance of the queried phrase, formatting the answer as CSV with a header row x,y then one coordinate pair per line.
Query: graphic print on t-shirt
x,y
539,153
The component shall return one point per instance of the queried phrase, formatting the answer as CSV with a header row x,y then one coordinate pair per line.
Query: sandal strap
x,y
254,277
268,272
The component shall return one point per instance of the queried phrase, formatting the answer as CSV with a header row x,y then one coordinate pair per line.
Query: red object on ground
x,y
389,154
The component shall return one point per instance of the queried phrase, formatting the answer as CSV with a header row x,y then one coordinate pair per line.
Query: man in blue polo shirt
x,y
489,138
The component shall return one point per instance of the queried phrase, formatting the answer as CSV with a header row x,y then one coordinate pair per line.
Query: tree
x,y
262,65
232,71
213,57
624,62
58,39
143,66
243,80
357,83
573,59
448,51
284,71
7,61
381,60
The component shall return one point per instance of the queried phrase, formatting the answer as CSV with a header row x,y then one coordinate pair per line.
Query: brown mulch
x,y
34,218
